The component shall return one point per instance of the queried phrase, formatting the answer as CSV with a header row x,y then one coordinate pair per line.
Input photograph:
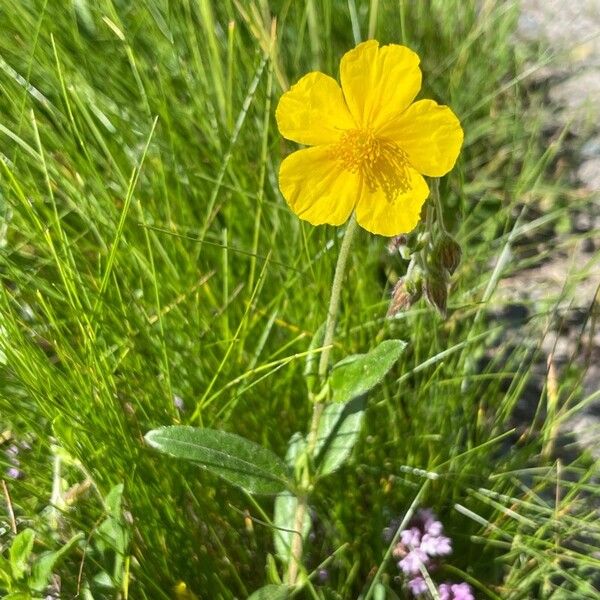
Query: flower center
x,y
381,162
358,149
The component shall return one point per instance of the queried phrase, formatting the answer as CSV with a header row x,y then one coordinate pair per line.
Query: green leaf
x,y
271,592
18,596
20,551
284,514
5,571
65,431
103,580
113,501
44,565
296,446
379,592
112,532
358,374
284,511
339,428
272,570
234,458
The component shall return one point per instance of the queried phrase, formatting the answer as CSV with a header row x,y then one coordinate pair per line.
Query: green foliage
x,y
338,432
286,503
20,551
356,375
284,512
25,575
239,461
112,535
46,564
145,252
271,592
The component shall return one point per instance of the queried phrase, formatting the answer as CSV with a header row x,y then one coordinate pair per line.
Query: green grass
x,y
146,251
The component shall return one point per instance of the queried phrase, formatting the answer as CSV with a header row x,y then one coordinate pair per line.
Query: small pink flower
x,y
433,545
455,591
14,473
434,527
412,562
411,537
417,585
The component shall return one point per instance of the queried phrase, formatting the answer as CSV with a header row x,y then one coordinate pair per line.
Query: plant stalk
x,y
318,407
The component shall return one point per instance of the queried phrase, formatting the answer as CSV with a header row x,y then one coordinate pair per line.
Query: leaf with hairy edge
x,y
284,511
339,428
358,374
296,446
284,514
236,459
271,592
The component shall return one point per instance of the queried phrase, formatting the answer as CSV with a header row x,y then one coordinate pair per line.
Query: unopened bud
x,y
436,293
400,299
405,293
449,252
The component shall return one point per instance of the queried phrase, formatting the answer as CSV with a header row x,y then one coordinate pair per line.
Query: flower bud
x,y
406,292
400,299
436,292
448,253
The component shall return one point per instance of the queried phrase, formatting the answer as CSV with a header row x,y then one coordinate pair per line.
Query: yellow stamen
x,y
381,162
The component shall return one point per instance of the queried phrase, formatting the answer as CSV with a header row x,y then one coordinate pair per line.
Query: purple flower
x,y
12,451
417,586
421,541
419,546
412,562
436,545
14,473
411,537
434,527
178,402
455,591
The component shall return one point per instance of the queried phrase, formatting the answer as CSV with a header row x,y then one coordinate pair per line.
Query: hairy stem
x,y
336,292
332,313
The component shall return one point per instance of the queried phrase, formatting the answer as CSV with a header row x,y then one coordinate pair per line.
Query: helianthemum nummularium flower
x,y
370,144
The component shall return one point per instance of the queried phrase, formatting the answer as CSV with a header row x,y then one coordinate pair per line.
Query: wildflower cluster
x,y
420,547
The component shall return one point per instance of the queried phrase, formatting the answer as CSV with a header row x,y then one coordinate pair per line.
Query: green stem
x,y
318,407
334,299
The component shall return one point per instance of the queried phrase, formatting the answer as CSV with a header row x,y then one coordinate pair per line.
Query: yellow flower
x,y
370,143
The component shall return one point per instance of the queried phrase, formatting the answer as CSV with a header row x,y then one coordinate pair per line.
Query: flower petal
x,y
379,83
316,187
430,135
313,111
377,214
